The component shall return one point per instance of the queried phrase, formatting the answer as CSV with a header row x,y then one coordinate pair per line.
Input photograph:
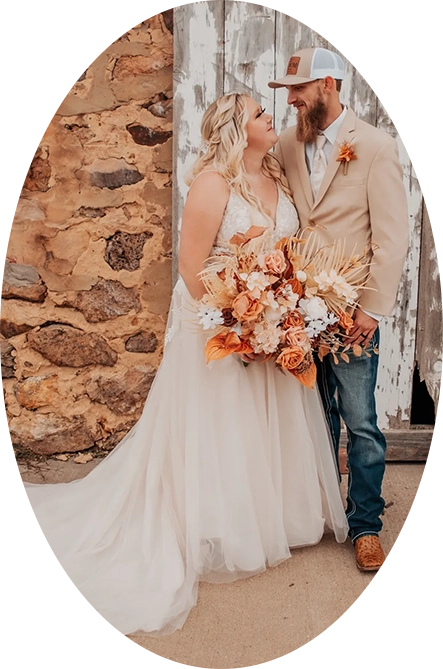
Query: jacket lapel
x,y
346,133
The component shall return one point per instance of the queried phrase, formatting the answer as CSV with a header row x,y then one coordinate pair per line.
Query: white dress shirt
x,y
331,133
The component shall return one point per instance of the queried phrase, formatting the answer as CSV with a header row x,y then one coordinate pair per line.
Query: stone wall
x,y
87,280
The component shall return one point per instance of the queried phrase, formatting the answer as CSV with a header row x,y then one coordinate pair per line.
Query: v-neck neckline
x,y
274,221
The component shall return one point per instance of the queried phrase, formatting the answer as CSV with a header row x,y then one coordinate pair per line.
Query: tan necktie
x,y
319,165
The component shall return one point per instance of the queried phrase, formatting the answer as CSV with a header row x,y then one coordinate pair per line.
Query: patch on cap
x,y
293,65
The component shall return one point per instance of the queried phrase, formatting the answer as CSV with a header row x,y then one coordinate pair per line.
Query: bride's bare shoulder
x,y
208,196
209,186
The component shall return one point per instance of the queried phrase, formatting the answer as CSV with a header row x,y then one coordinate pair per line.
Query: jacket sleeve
x,y
388,211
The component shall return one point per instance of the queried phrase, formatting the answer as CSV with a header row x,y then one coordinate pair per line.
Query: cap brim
x,y
290,80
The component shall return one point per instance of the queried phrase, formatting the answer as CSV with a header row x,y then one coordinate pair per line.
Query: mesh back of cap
x,y
324,60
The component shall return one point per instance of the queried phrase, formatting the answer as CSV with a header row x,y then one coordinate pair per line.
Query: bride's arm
x,y
202,217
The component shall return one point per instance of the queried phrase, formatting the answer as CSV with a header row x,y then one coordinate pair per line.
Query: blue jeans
x,y
354,385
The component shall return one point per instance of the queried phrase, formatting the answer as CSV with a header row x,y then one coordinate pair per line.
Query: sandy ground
x,y
261,618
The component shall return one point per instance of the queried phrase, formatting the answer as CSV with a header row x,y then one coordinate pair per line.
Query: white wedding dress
x,y
226,470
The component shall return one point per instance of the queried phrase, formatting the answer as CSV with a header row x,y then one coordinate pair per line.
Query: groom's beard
x,y
308,124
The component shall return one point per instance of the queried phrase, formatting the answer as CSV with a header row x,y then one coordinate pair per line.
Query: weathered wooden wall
x,y
225,45
429,345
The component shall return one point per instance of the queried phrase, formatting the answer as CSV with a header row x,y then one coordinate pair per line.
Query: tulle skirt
x,y
226,470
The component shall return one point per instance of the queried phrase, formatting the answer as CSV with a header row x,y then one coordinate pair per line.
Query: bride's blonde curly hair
x,y
224,135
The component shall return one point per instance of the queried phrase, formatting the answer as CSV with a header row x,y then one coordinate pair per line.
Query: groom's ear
x,y
328,84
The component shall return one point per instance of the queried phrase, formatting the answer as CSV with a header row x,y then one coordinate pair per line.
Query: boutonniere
x,y
347,153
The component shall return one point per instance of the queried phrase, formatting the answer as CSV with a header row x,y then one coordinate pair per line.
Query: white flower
x,y
274,314
301,276
338,284
288,298
210,317
315,327
255,280
268,299
314,308
326,280
316,316
343,289
265,338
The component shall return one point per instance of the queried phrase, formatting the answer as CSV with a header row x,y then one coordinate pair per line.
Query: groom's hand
x,y
363,330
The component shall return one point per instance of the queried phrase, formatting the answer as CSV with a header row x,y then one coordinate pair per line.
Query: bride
x,y
229,467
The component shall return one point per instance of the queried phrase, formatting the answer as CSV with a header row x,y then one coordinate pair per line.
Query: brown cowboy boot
x,y
369,553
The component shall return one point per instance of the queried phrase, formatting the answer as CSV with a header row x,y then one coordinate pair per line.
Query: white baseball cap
x,y
311,64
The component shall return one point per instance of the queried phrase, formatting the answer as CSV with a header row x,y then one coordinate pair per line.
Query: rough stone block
x,y
66,346
125,250
123,394
107,299
48,434
142,342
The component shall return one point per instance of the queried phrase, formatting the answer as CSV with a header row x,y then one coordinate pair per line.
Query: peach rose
x,y
274,262
290,357
298,337
292,320
245,307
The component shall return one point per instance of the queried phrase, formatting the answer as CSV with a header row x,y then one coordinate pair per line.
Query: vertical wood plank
x,y
198,81
429,352
430,313
398,333
290,36
249,50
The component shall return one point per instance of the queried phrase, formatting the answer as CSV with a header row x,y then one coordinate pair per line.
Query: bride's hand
x,y
251,357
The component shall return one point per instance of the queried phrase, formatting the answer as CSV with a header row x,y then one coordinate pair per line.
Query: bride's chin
x,y
274,139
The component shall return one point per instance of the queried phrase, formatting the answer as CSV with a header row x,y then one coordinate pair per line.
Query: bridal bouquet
x,y
281,301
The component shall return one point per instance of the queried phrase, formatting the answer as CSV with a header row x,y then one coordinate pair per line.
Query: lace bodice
x,y
239,216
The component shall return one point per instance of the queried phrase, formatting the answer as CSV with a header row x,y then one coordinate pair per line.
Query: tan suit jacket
x,y
366,205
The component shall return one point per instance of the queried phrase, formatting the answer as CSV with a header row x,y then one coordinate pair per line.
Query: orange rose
x,y
225,344
297,337
290,357
292,320
245,307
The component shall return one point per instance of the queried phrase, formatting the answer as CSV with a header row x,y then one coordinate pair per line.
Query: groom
x,y
362,200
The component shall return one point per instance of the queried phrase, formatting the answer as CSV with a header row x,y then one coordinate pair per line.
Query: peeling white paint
x,y
398,333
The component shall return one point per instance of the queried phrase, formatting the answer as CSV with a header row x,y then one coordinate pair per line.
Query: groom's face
x,y
304,96
312,109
